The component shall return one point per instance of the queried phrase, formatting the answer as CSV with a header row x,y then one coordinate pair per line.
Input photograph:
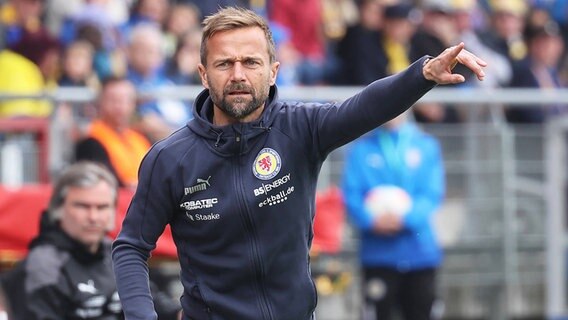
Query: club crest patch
x,y
266,164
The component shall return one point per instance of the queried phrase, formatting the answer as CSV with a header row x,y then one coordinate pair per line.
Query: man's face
x,y
145,54
118,103
87,213
27,10
78,63
546,50
508,24
238,73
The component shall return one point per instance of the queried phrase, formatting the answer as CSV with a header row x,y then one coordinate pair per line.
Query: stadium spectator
x,y
337,15
399,29
539,69
287,54
97,21
161,116
181,68
437,28
182,19
68,266
361,59
110,139
393,184
555,10
435,32
42,49
505,33
303,19
57,11
498,71
67,273
19,75
77,66
107,62
70,120
94,13
26,69
20,17
154,12
558,10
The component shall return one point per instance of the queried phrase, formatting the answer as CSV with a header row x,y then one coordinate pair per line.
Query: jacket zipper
x,y
259,277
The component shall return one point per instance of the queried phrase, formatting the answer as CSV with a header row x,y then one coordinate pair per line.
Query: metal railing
x,y
477,96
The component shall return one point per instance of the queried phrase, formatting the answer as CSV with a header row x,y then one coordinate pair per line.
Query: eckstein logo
x,y
267,164
201,185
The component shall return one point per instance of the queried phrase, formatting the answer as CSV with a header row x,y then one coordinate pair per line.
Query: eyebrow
x,y
87,204
233,59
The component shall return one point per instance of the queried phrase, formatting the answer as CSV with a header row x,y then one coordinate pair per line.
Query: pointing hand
x,y
439,69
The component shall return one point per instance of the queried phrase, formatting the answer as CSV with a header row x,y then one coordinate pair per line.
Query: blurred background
x,y
502,224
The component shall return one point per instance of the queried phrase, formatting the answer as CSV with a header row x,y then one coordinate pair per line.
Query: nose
x,y
96,215
238,73
93,213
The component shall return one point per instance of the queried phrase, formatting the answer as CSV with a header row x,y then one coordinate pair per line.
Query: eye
x,y
103,207
223,65
251,63
82,206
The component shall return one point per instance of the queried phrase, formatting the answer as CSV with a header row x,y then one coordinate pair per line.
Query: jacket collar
x,y
232,139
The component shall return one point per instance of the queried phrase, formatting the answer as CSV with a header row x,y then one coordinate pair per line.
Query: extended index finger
x,y
452,54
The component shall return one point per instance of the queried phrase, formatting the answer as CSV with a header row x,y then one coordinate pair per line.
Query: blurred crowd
x,y
118,48
48,44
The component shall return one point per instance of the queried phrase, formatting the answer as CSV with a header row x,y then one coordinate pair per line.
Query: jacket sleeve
x,y
378,103
45,292
47,303
428,194
148,214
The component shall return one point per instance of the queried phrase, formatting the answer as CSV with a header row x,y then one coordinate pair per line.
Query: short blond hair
x,y
232,18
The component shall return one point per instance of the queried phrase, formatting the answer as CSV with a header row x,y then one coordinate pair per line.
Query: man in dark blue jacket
x,y
237,184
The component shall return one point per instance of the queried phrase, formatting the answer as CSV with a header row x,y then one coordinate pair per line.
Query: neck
x,y
93,248
114,126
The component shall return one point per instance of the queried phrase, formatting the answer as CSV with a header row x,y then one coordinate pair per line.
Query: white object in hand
x,y
388,198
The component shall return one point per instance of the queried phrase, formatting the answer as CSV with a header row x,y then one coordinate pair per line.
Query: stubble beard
x,y
240,107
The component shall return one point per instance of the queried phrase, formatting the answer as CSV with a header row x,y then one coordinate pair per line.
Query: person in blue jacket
x,y
393,184
237,184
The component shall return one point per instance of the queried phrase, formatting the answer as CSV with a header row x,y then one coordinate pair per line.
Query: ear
x,y
203,75
274,72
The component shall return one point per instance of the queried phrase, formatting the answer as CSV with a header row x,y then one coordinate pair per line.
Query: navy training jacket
x,y
240,203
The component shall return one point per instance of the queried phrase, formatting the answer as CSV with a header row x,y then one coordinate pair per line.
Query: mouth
x,y
93,229
238,93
